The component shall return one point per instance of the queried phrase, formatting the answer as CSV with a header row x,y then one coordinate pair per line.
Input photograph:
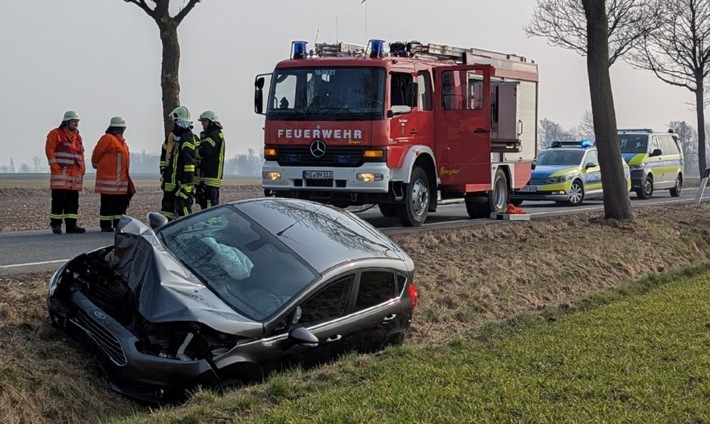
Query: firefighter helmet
x,y
180,113
209,115
70,115
117,122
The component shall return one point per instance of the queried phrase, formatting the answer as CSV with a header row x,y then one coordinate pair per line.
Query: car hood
x,y
634,158
166,290
544,171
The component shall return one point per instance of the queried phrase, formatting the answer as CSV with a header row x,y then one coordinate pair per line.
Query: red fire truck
x,y
405,129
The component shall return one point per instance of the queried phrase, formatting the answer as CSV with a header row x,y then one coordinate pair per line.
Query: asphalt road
x,y
36,251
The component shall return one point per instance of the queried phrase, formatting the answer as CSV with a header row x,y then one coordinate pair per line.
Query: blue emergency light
x,y
572,143
377,48
299,49
586,143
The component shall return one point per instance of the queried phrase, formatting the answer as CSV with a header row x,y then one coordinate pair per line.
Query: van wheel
x,y
675,191
414,211
646,190
576,193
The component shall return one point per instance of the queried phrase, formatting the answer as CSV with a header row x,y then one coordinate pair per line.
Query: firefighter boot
x,y
57,229
73,228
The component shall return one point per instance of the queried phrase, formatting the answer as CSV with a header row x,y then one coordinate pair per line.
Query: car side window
x,y
326,305
591,158
375,287
654,144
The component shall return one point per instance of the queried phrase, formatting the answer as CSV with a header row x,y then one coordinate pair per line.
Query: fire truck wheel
x,y
516,202
413,212
495,201
387,209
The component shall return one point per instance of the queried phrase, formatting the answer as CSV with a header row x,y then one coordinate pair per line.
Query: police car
x,y
566,172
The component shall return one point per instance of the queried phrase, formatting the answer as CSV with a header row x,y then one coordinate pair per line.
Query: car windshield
x,y
633,143
560,157
333,93
245,265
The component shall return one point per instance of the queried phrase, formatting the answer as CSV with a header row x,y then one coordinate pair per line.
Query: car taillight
x,y
412,291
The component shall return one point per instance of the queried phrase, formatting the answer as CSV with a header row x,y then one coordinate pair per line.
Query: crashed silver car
x,y
221,297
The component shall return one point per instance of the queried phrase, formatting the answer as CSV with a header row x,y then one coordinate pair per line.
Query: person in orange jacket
x,y
111,159
65,153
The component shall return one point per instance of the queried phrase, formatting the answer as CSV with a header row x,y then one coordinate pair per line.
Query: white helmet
x,y
180,113
209,115
117,122
70,115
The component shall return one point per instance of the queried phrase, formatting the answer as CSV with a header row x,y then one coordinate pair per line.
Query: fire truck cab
x,y
352,125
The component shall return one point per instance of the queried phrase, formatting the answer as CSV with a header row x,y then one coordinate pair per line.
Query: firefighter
x,y
177,166
65,153
210,161
111,159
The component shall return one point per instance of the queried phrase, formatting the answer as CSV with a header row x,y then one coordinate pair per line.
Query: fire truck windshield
x,y
327,94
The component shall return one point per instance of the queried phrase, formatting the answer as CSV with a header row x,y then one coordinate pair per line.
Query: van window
x,y
424,88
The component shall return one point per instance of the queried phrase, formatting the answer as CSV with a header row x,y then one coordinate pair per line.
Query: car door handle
x,y
334,338
480,131
413,131
388,318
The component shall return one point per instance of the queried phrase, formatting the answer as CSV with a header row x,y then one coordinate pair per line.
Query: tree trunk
x,y
617,204
169,77
700,112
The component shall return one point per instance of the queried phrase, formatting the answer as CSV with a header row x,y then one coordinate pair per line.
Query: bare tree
x,y
688,137
677,51
617,204
35,163
167,26
563,23
586,126
550,130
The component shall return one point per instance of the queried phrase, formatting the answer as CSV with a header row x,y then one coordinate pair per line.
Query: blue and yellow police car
x,y
567,172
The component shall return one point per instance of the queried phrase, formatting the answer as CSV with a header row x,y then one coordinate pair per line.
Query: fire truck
x,y
406,129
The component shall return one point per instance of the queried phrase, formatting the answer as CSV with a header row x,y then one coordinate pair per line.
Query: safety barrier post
x,y
703,183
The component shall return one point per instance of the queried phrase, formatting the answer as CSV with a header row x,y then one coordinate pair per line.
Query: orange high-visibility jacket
x,y
111,159
65,153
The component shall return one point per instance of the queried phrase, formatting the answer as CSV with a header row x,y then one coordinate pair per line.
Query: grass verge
x,y
636,354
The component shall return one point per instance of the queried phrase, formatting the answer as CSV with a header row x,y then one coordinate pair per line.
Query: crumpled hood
x,y
166,290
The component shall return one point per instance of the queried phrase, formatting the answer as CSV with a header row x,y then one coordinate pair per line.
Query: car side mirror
x,y
590,165
303,337
259,95
656,152
156,220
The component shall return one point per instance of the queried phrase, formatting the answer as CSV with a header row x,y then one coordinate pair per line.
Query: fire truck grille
x,y
334,156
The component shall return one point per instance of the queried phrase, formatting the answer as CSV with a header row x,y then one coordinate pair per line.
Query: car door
x,y
377,312
592,174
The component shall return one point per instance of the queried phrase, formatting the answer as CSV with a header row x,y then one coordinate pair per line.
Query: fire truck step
x,y
510,216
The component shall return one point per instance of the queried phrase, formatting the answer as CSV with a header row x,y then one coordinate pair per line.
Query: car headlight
x,y
558,179
637,167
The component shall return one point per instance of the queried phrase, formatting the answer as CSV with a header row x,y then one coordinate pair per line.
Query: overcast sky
x,y
102,58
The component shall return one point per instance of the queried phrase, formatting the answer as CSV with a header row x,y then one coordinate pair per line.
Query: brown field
x,y
466,278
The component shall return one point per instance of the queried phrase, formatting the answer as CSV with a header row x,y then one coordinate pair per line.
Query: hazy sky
x,y
102,58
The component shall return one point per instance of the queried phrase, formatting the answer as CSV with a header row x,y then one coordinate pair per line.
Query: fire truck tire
x,y
413,212
516,202
388,209
495,201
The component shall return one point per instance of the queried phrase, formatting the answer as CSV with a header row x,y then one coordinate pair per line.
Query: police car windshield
x,y
633,143
560,157
337,94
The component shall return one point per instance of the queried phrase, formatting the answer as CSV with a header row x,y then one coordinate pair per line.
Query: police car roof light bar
x,y
635,130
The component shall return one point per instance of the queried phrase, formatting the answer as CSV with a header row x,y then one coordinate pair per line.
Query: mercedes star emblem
x,y
318,148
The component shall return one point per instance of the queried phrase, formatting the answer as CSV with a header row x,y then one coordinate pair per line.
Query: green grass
x,y
636,355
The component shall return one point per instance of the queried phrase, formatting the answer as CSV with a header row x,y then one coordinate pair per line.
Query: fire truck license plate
x,y
529,188
317,175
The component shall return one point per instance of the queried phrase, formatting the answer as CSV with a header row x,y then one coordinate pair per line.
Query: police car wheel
x,y
675,191
576,193
646,190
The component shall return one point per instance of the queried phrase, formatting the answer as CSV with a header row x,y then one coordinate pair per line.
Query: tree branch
x,y
143,5
185,10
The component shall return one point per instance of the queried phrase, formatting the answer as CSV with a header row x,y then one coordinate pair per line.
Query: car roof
x,y
322,235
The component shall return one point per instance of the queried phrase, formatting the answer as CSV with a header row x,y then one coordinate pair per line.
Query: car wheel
x,y
675,191
646,190
576,193
413,212
228,384
387,209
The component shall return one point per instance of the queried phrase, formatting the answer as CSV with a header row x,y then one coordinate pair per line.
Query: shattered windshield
x,y
245,265
633,143
327,94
